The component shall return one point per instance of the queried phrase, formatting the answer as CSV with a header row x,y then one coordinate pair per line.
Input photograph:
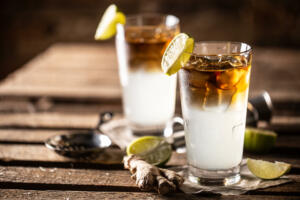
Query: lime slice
x,y
267,170
174,57
155,150
258,140
107,25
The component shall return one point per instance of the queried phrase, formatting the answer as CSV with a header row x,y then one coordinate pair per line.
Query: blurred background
x,y
30,26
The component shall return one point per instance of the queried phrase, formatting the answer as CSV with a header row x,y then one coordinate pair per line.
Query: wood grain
x,y
51,73
90,71
101,179
21,194
63,90
45,175
38,153
49,120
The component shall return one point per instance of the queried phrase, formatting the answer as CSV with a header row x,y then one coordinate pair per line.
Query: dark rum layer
x,y
145,55
212,83
146,45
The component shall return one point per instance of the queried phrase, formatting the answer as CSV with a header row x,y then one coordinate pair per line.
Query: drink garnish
x,y
174,56
259,140
154,150
107,25
267,170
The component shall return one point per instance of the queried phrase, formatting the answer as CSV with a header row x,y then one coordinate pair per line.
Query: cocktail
x,y
148,95
214,92
214,82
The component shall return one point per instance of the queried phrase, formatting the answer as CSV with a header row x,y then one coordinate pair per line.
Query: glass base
x,y
214,177
142,130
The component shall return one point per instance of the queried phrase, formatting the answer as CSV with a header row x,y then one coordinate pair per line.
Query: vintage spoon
x,y
82,145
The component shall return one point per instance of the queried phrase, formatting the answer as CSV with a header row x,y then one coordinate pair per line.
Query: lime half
x,y
174,57
258,140
107,25
155,150
267,170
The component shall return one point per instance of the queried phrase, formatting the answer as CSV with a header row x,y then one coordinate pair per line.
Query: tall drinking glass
x,y
148,95
214,92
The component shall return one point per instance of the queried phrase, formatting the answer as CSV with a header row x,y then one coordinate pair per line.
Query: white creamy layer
x,y
148,97
214,139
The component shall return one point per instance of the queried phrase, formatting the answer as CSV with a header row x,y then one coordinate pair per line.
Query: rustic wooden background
x,y
64,88
71,78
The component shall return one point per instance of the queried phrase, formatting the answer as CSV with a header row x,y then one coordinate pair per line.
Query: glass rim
x,y
154,15
248,50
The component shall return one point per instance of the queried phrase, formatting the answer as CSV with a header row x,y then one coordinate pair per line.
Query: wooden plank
x,y
19,194
39,153
29,136
14,105
82,179
98,81
69,80
274,70
64,55
285,124
41,104
68,195
49,120
90,92
43,175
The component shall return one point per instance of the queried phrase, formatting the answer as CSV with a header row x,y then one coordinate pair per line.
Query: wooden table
x,y
63,89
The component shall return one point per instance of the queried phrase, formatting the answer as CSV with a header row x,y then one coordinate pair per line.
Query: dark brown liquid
x,y
211,83
146,46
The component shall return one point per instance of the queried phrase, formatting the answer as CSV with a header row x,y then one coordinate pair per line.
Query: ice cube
x,y
229,78
198,79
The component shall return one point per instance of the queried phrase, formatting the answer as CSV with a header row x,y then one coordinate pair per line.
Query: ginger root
x,y
150,177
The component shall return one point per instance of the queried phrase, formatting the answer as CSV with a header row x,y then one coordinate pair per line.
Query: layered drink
x,y
148,95
214,93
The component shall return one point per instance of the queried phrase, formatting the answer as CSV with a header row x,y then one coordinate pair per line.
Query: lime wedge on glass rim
x,y
267,170
107,25
259,140
174,55
154,150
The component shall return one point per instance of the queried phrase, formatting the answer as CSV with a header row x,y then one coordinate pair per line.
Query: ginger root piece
x,y
150,177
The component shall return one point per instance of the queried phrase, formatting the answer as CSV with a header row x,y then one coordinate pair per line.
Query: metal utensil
x,y
82,145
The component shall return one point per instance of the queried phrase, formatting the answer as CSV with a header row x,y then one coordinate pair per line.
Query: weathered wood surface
x,y
64,89
89,71
19,194
43,175
99,178
67,71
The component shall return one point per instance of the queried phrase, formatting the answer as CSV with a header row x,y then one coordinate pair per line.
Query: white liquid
x,y
214,140
148,97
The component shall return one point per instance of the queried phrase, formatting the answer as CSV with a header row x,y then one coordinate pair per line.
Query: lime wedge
x,y
267,170
174,57
155,150
107,25
258,140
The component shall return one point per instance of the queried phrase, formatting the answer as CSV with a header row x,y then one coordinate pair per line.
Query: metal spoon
x,y
82,145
